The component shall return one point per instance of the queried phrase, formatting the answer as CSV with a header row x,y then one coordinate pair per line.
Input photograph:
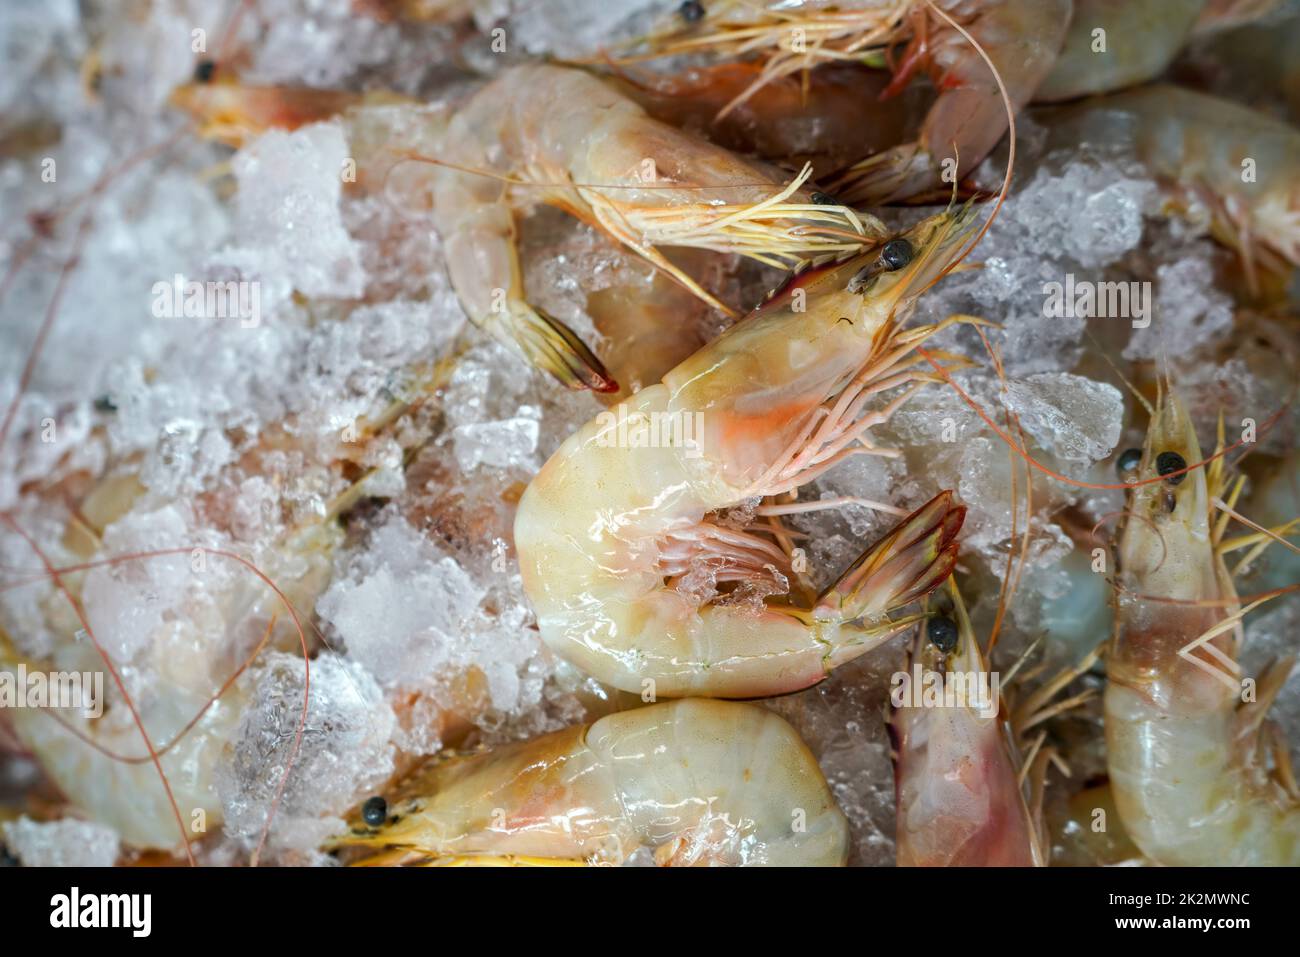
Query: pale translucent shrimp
x,y
547,134
699,782
175,678
1242,165
957,772
1188,767
623,506
1141,38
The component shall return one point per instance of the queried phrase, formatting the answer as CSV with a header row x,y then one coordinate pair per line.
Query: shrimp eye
x,y
692,11
1129,460
204,70
824,199
896,254
942,633
375,811
1167,462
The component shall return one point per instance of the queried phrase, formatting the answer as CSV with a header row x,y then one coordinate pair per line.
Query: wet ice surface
x,y
65,843
343,753
238,434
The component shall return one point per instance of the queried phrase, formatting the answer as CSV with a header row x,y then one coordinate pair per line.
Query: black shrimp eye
x,y
824,199
204,70
942,633
896,254
692,11
1167,462
1129,460
375,811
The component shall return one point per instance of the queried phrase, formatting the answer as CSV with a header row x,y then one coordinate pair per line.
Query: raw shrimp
x,y
1020,37
967,120
622,506
959,795
415,11
185,665
1187,762
1142,37
701,782
648,323
564,137
1242,165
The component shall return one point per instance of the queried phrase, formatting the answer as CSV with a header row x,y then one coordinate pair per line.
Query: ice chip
x,y
1073,417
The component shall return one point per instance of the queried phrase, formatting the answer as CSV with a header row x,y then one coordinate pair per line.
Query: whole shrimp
x,y
1239,163
701,782
1187,761
621,510
560,136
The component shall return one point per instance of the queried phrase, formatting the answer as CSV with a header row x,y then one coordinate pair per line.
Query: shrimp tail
x,y
551,345
907,564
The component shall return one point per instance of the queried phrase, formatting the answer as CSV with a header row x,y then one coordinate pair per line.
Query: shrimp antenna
x,y
1120,375
1011,133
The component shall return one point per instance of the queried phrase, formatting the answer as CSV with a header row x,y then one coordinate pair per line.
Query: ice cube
x,y
1071,416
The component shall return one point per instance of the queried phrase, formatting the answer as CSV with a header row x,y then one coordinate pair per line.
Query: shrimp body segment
x,y
622,507
1112,44
701,782
1182,749
561,136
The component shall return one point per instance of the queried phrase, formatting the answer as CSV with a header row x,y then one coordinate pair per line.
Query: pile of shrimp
x,y
535,434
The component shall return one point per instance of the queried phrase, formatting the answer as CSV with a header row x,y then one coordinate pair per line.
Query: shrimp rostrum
x,y
622,510
547,134
699,782
1187,749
